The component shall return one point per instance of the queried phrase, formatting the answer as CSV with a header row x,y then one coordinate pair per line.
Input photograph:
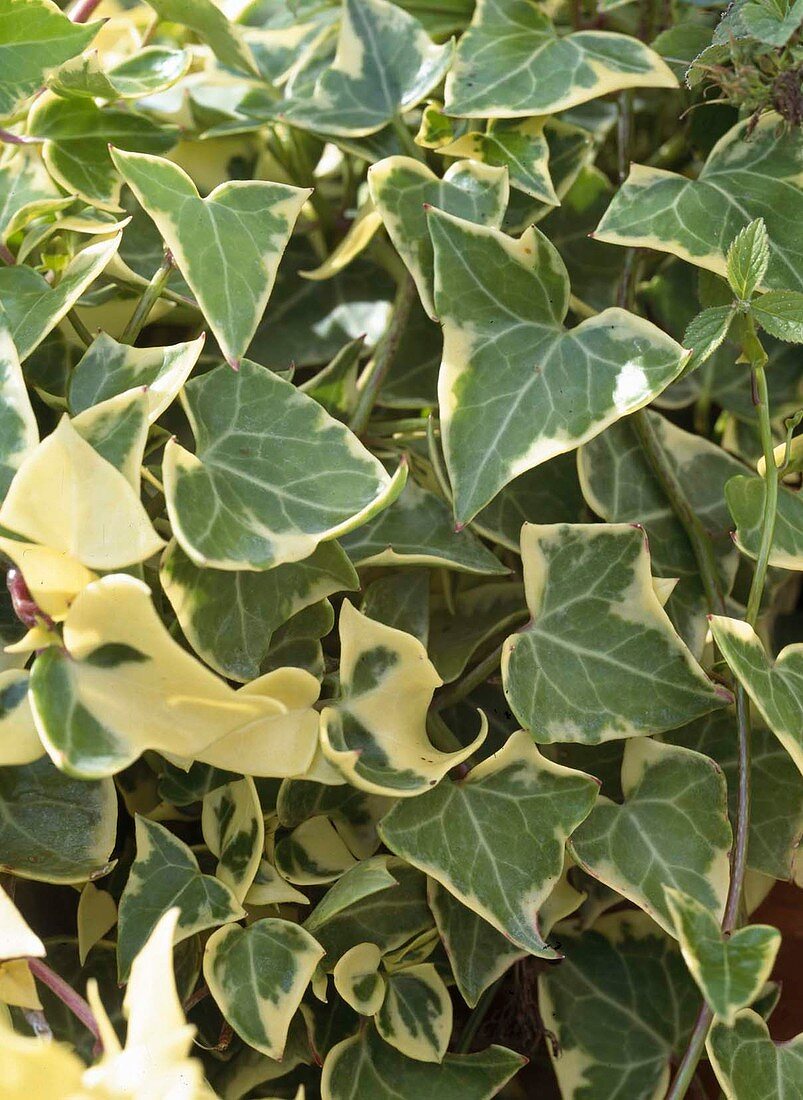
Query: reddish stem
x,y
82,10
66,994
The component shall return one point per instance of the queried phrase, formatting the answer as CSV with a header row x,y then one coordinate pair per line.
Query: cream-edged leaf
x,y
227,245
117,430
746,497
376,734
731,971
511,63
385,63
600,658
234,831
26,191
403,188
358,979
749,1065
251,497
17,939
108,369
19,432
258,976
672,829
205,18
516,802
517,388
313,853
164,874
775,688
19,740
519,146
416,1014
696,219
151,70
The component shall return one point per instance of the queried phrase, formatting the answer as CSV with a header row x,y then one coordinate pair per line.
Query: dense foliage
x,y
401,519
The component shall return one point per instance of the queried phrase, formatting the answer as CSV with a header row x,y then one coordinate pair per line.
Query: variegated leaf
x,y
206,19
17,939
313,853
746,502
19,740
749,1065
151,70
358,979
234,831
416,1014
519,146
19,432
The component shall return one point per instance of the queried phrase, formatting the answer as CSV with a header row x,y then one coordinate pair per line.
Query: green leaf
x,y
706,333
230,618
419,530
365,879
234,831
152,69
33,307
747,259
516,388
672,829
19,432
118,430
600,659
34,37
455,831
376,735
403,189
740,182
400,600
205,19
749,1065
511,63
729,971
478,616
745,496
775,688
364,1066
416,1014
107,369
385,64
227,245
26,191
358,979
54,828
164,874
780,313
243,500
258,976
521,147
77,135
629,973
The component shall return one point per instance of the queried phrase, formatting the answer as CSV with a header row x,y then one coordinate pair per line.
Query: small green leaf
x,y
150,70
672,829
706,333
166,873
227,245
780,313
749,1065
358,979
729,971
258,976
453,832
747,259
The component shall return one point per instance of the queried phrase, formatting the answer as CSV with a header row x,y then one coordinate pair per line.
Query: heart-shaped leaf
x,y
749,1065
511,63
227,246
696,219
775,688
258,976
453,831
173,878
403,189
672,829
516,388
246,499
729,971
600,659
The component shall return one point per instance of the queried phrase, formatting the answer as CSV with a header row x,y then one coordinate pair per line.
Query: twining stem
x,y
66,994
150,296
374,375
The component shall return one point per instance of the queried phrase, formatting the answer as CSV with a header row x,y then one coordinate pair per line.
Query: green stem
x,y
376,372
478,1014
81,331
150,296
770,496
406,139
478,675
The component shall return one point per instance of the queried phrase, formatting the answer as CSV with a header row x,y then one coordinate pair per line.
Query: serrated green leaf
x,y
730,972
227,245
775,688
747,259
385,64
152,69
629,973
34,37
516,388
672,829
780,313
376,734
243,501
258,976
164,874
33,307
416,1014
745,496
418,529
511,63
107,369
54,828
230,618
706,333
205,19
234,831
694,219
750,1066
403,189
600,659
364,1066
453,831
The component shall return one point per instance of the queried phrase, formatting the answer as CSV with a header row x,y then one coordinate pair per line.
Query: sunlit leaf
x,y
205,19
150,70
749,1065
16,938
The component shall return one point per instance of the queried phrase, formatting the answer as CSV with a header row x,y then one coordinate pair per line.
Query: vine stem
x,y
66,994
81,11
376,372
150,296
